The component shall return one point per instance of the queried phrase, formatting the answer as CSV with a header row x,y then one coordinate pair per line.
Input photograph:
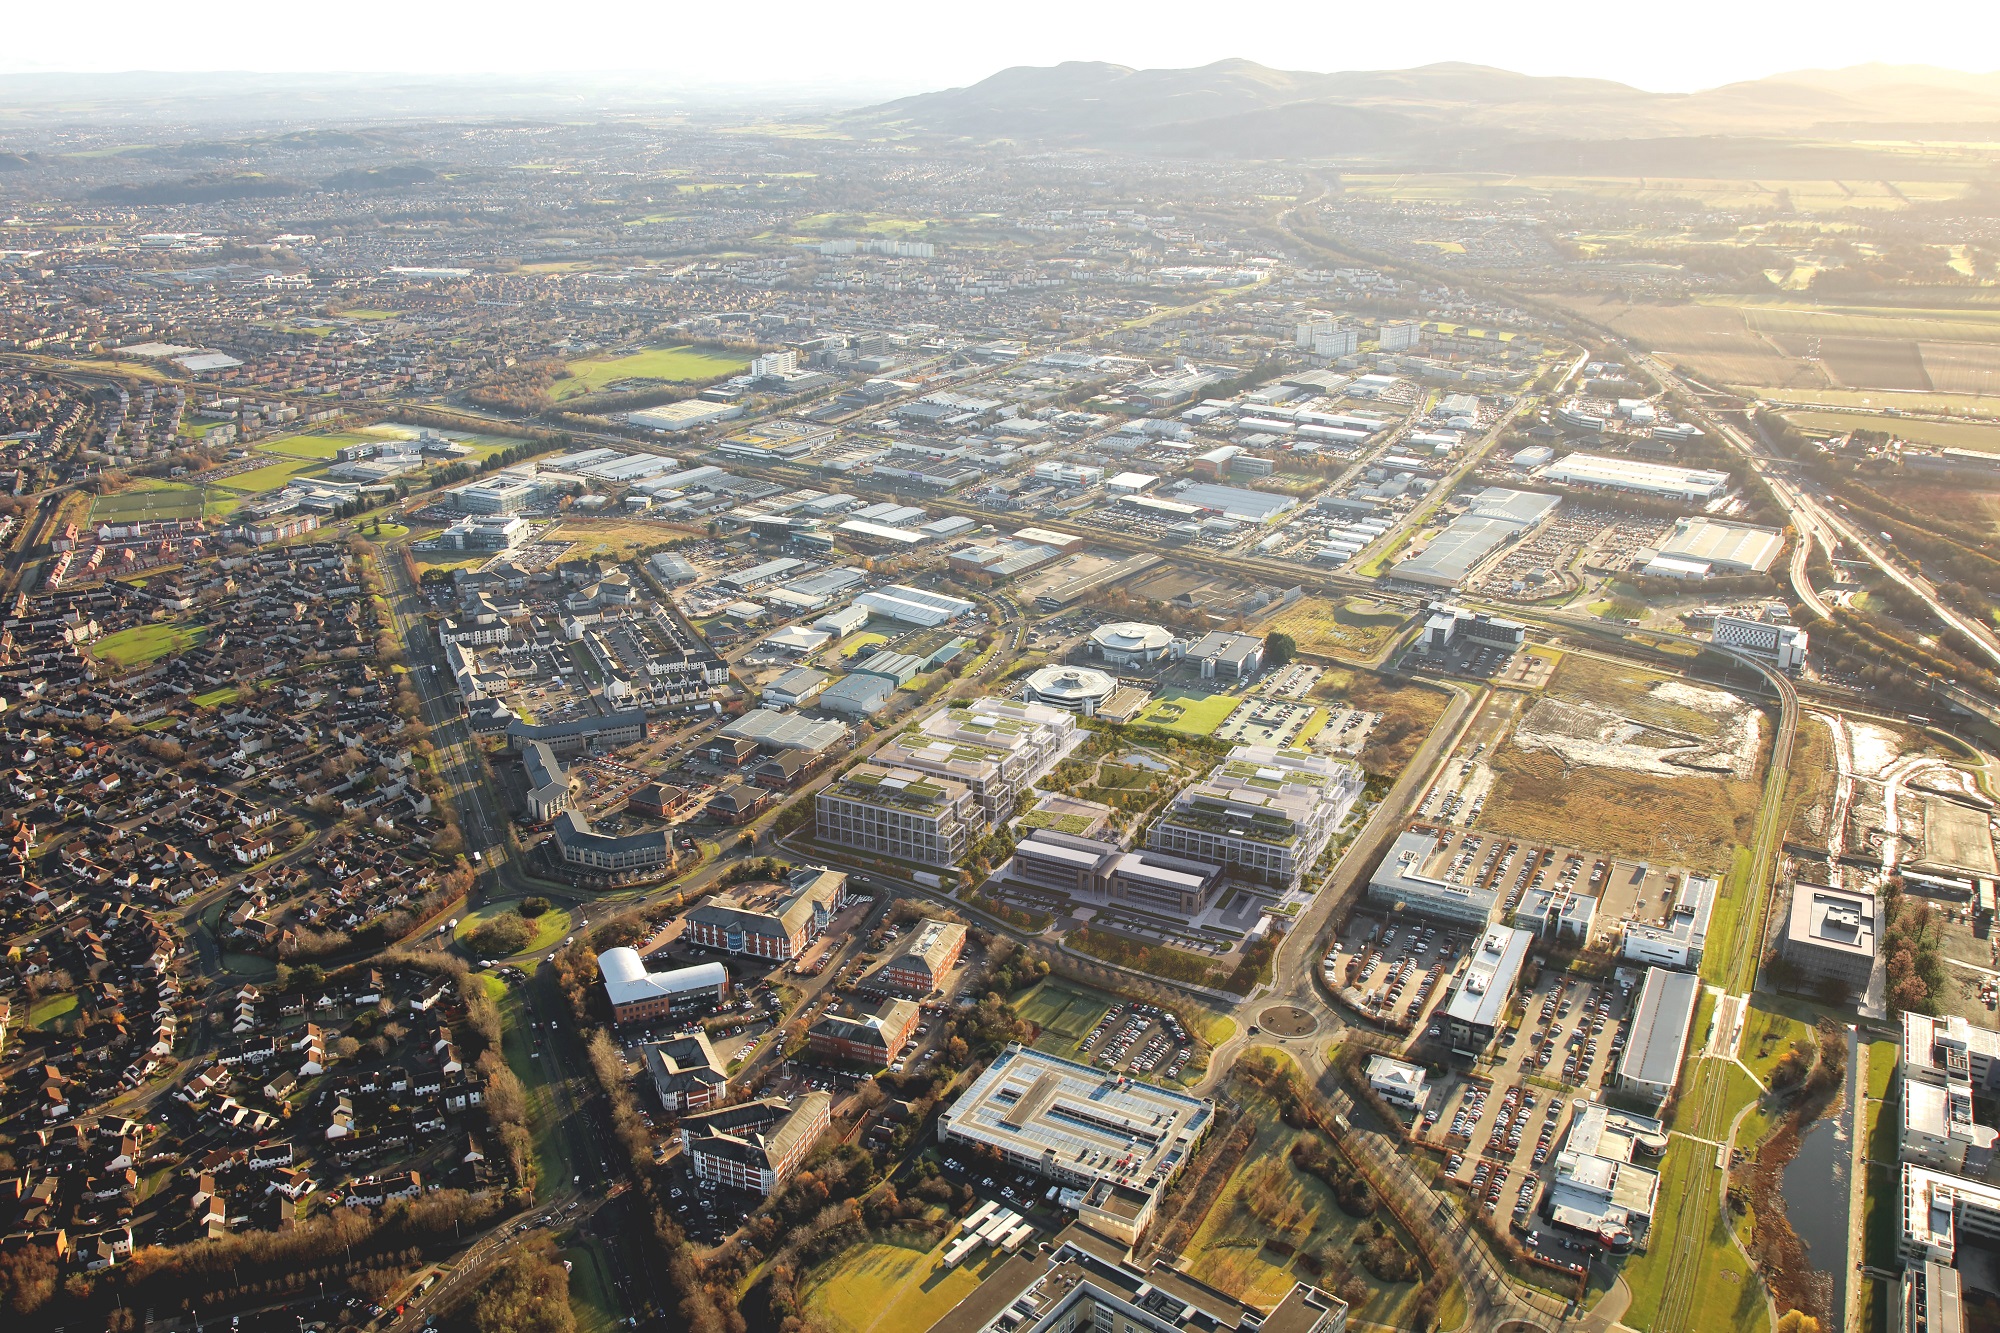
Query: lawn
x,y
216,698
142,645
1767,1036
1729,1296
328,444
590,1298
365,314
45,1011
889,1287
517,1044
550,926
854,643
679,364
271,477
153,501
1195,714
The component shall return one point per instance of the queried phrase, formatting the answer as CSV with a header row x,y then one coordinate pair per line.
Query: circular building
x,y
1075,689
1131,642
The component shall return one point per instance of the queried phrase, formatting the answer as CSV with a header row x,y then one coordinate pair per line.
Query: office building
x,y
1400,1083
1073,689
1265,814
770,921
1446,625
686,1073
624,856
640,996
1941,1212
756,1145
1682,938
1128,643
1094,871
900,812
1651,1064
921,966
1419,875
1477,1009
872,1039
1226,656
1783,645
996,747
1599,1189
1830,936
1120,1140
1946,1064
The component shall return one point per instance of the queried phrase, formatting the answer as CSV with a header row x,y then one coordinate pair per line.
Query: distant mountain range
x,y
1435,113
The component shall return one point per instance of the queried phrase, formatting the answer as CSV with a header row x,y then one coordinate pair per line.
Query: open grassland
x,y
612,537
1628,691
1342,629
680,364
1409,711
142,645
1471,187
153,501
1809,792
1692,821
889,1288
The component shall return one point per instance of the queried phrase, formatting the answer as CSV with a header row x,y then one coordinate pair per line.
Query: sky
x,y
906,47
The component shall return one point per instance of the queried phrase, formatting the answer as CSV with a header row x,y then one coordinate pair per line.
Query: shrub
x,y
533,907
500,936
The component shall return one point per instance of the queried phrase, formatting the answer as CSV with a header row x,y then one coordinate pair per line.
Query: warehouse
x,y
914,606
1726,548
1234,502
1626,474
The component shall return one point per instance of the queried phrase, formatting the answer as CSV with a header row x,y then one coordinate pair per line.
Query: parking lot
x,y
1139,1038
1500,1126
1394,973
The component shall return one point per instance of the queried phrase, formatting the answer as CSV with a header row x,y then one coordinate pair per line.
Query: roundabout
x,y
1288,1020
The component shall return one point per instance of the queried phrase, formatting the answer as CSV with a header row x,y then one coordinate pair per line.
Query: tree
x,y
1796,1321
1279,648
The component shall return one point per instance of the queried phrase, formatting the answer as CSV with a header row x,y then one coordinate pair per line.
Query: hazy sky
x,y
909,46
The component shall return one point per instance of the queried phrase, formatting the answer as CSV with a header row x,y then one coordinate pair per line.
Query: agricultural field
x,y
142,645
153,501
1653,767
681,364
890,1288
1715,193
1346,629
1195,714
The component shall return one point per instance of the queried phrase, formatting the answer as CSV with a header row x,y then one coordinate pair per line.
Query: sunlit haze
x,y
903,49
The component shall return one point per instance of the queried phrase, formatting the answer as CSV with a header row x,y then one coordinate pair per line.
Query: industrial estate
x,y
897,720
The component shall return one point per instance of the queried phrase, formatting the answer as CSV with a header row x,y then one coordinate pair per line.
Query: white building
x,y
1784,645
1399,1083
915,606
1264,814
1072,689
1629,474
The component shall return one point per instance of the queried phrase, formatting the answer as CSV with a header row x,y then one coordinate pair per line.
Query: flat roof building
x,y
1083,1127
1477,1009
1223,655
1726,548
1682,938
915,606
1831,935
1419,876
1127,643
1072,689
1629,474
1094,871
1598,1188
996,747
1264,814
1651,1064
899,812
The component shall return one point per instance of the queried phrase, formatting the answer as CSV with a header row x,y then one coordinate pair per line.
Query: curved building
x,y
1131,642
1074,689
637,994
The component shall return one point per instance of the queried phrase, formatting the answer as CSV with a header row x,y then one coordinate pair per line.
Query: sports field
x,y
673,364
143,645
158,501
1065,1013
1197,714
271,477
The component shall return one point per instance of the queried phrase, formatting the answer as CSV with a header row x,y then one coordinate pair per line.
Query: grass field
x,y
1694,821
612,537
1339,629
45,1011
674,364
272,476
216,698
142,645
854,643
365,314
889,1288
1195,714
550,926
517,1045
590,1299
152,501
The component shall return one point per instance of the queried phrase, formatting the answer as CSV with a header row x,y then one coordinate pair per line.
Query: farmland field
x,y
676,364
1943,434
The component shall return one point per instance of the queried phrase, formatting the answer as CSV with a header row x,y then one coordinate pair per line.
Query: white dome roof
x,y
623,965
1071,682
1131,636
